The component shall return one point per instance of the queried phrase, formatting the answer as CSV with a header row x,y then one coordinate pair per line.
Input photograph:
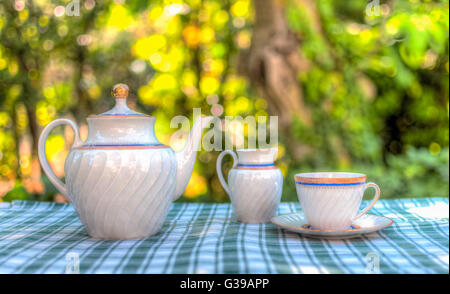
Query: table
x,y
42,237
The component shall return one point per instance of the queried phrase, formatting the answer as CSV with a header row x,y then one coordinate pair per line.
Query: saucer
x,y
366,224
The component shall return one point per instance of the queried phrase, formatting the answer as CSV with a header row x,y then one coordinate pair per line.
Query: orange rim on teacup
x,y
330,179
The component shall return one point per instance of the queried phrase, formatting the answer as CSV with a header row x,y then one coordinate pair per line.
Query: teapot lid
x,y
121,127
120,110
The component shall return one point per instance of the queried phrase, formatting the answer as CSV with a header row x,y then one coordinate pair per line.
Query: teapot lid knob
x,y
120,91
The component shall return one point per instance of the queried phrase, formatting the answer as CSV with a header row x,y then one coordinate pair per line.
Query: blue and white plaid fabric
x,y
205,238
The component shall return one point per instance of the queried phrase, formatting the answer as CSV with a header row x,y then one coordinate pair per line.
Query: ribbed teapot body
x,y
121,192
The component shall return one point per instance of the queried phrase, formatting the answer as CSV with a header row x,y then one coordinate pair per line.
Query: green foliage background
x,y
377,85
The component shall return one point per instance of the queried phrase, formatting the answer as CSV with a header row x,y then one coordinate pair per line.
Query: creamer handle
x,y
43,158
219,168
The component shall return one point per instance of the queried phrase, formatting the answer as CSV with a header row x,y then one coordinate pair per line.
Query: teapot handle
x,y
219,168
43,158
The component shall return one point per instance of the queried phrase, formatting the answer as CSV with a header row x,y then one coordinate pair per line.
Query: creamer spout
x,y
186,157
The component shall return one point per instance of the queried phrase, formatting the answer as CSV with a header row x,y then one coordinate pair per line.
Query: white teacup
x,y
331,200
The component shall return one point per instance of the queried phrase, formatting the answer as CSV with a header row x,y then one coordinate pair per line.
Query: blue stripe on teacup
x,y
256,165
342,184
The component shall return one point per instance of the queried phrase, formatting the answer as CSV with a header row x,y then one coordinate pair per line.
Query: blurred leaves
x,y
377,85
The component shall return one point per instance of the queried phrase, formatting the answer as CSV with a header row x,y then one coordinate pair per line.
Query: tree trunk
x,y
272,65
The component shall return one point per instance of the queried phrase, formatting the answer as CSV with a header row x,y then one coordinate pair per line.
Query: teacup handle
x,y
219,168
377,195
43,158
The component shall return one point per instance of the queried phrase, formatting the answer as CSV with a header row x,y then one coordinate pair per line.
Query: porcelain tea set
x,y
122,180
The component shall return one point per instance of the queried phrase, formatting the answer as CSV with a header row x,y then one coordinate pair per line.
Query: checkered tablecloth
x,y
38,237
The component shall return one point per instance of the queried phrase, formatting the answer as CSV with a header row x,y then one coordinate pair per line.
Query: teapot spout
x,y
186,157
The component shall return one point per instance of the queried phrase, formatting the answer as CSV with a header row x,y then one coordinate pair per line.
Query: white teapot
x,y
122,180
